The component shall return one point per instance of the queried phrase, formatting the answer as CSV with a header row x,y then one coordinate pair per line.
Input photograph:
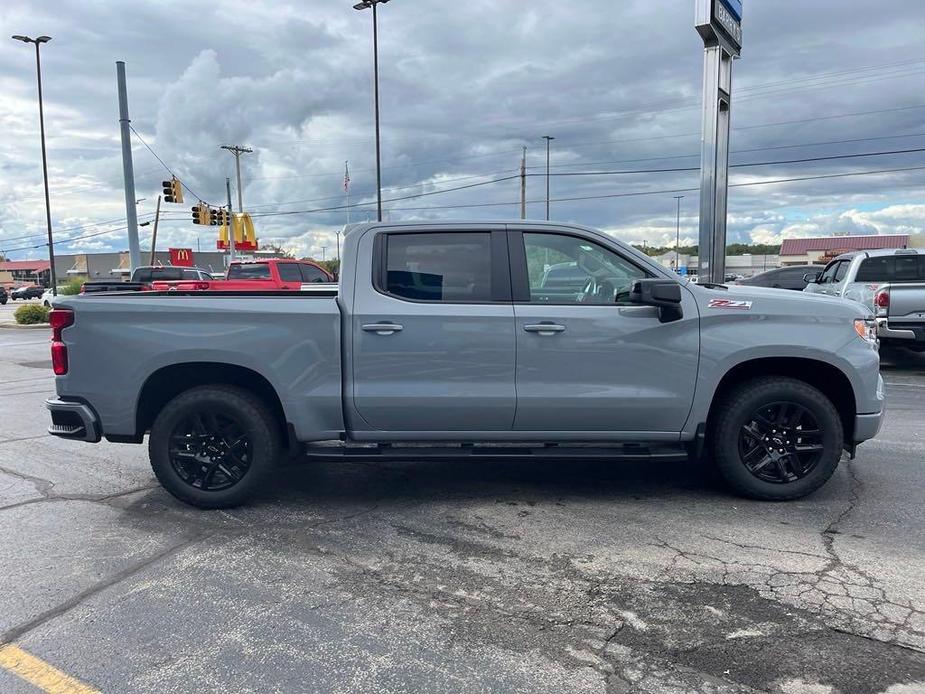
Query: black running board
x,y
629,452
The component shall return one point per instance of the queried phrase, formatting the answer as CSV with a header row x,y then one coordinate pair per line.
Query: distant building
x,y
104,266
821,250
745,265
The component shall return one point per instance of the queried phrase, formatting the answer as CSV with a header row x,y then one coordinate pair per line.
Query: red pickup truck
x,y
273,274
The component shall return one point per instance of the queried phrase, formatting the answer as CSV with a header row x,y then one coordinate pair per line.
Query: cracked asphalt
x,y
463,577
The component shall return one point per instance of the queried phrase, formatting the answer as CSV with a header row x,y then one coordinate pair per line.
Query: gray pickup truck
x,y
451,340
890,281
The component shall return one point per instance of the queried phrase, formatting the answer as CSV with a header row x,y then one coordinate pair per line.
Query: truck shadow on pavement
x,y
351,481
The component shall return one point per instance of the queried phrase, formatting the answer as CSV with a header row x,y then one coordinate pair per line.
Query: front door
x,y
433,341
588,360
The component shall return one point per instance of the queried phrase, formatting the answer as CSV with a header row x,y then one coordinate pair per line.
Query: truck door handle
x,y
382,328
545,328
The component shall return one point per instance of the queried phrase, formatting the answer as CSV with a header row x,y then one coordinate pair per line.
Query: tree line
x,y
731,249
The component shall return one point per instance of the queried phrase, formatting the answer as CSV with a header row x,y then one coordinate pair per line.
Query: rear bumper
x,y
885,332
73,420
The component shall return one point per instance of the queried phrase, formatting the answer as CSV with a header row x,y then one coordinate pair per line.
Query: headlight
x,y
866,328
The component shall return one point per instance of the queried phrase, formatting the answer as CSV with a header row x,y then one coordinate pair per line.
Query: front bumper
x,y
73,420
867,426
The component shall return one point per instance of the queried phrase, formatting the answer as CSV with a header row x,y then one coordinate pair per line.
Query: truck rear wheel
x,y
213,446
776,438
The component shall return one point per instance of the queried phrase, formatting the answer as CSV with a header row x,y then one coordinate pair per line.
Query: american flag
x,y
346,177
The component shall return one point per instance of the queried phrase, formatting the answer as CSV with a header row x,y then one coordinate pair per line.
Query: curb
x,y
16,326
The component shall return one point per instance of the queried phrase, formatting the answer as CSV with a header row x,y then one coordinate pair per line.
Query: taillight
x,y
883,299
203,286
59,319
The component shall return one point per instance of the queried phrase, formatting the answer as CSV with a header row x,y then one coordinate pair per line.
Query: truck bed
x,y
290,339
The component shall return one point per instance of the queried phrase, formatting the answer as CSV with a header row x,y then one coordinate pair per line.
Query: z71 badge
x,y
730,303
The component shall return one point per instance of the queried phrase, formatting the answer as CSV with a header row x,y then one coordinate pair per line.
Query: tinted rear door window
x,y
255,271
450,267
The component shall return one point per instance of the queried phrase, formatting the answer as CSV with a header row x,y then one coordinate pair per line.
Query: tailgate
x,y
907,303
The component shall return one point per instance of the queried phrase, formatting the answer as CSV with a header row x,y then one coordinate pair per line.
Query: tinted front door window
x,y
313,275
570,270
289,272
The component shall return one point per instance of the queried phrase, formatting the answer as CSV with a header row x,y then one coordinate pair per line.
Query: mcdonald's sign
x,y
181,256
243,229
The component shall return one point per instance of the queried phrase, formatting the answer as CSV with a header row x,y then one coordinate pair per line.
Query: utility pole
x,y
677,238
523,185
237,151
128,170
548,138
230,226
323,249
38,72
364,5
157,217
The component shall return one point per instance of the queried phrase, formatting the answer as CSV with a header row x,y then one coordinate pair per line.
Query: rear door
x,y
588,361
433,339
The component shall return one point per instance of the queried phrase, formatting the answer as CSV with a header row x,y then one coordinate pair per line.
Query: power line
x,y
743,165
168,169
662,192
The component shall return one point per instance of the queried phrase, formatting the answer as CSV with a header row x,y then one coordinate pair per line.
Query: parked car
x,y
48,296
29,291
442,333
143,278
792,277
273,274
890,282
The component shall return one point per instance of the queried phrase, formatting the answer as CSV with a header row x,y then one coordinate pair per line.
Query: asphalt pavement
x,y
456,577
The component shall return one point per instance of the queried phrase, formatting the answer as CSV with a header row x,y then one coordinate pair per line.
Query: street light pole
x,y
38,73
677,238
548,139
367,4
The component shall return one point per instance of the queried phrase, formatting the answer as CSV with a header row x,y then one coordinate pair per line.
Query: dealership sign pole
x,y
719,23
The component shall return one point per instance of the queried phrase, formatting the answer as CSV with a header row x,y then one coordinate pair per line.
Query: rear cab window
x,y
892,268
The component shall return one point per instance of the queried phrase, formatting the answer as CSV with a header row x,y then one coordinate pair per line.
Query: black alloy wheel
x,y
781,443
213,446
210,450
775,438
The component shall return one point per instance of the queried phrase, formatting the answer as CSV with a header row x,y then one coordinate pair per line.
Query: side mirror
x,y
664,294
812,277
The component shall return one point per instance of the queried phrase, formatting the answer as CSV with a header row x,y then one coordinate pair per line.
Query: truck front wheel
x,y
213,446
776,438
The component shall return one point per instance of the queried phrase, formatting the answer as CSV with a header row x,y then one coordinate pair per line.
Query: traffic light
x,y
214,214
201,214
173,191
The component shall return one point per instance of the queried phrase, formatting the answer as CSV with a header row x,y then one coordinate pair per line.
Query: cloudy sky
x,y
464,85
